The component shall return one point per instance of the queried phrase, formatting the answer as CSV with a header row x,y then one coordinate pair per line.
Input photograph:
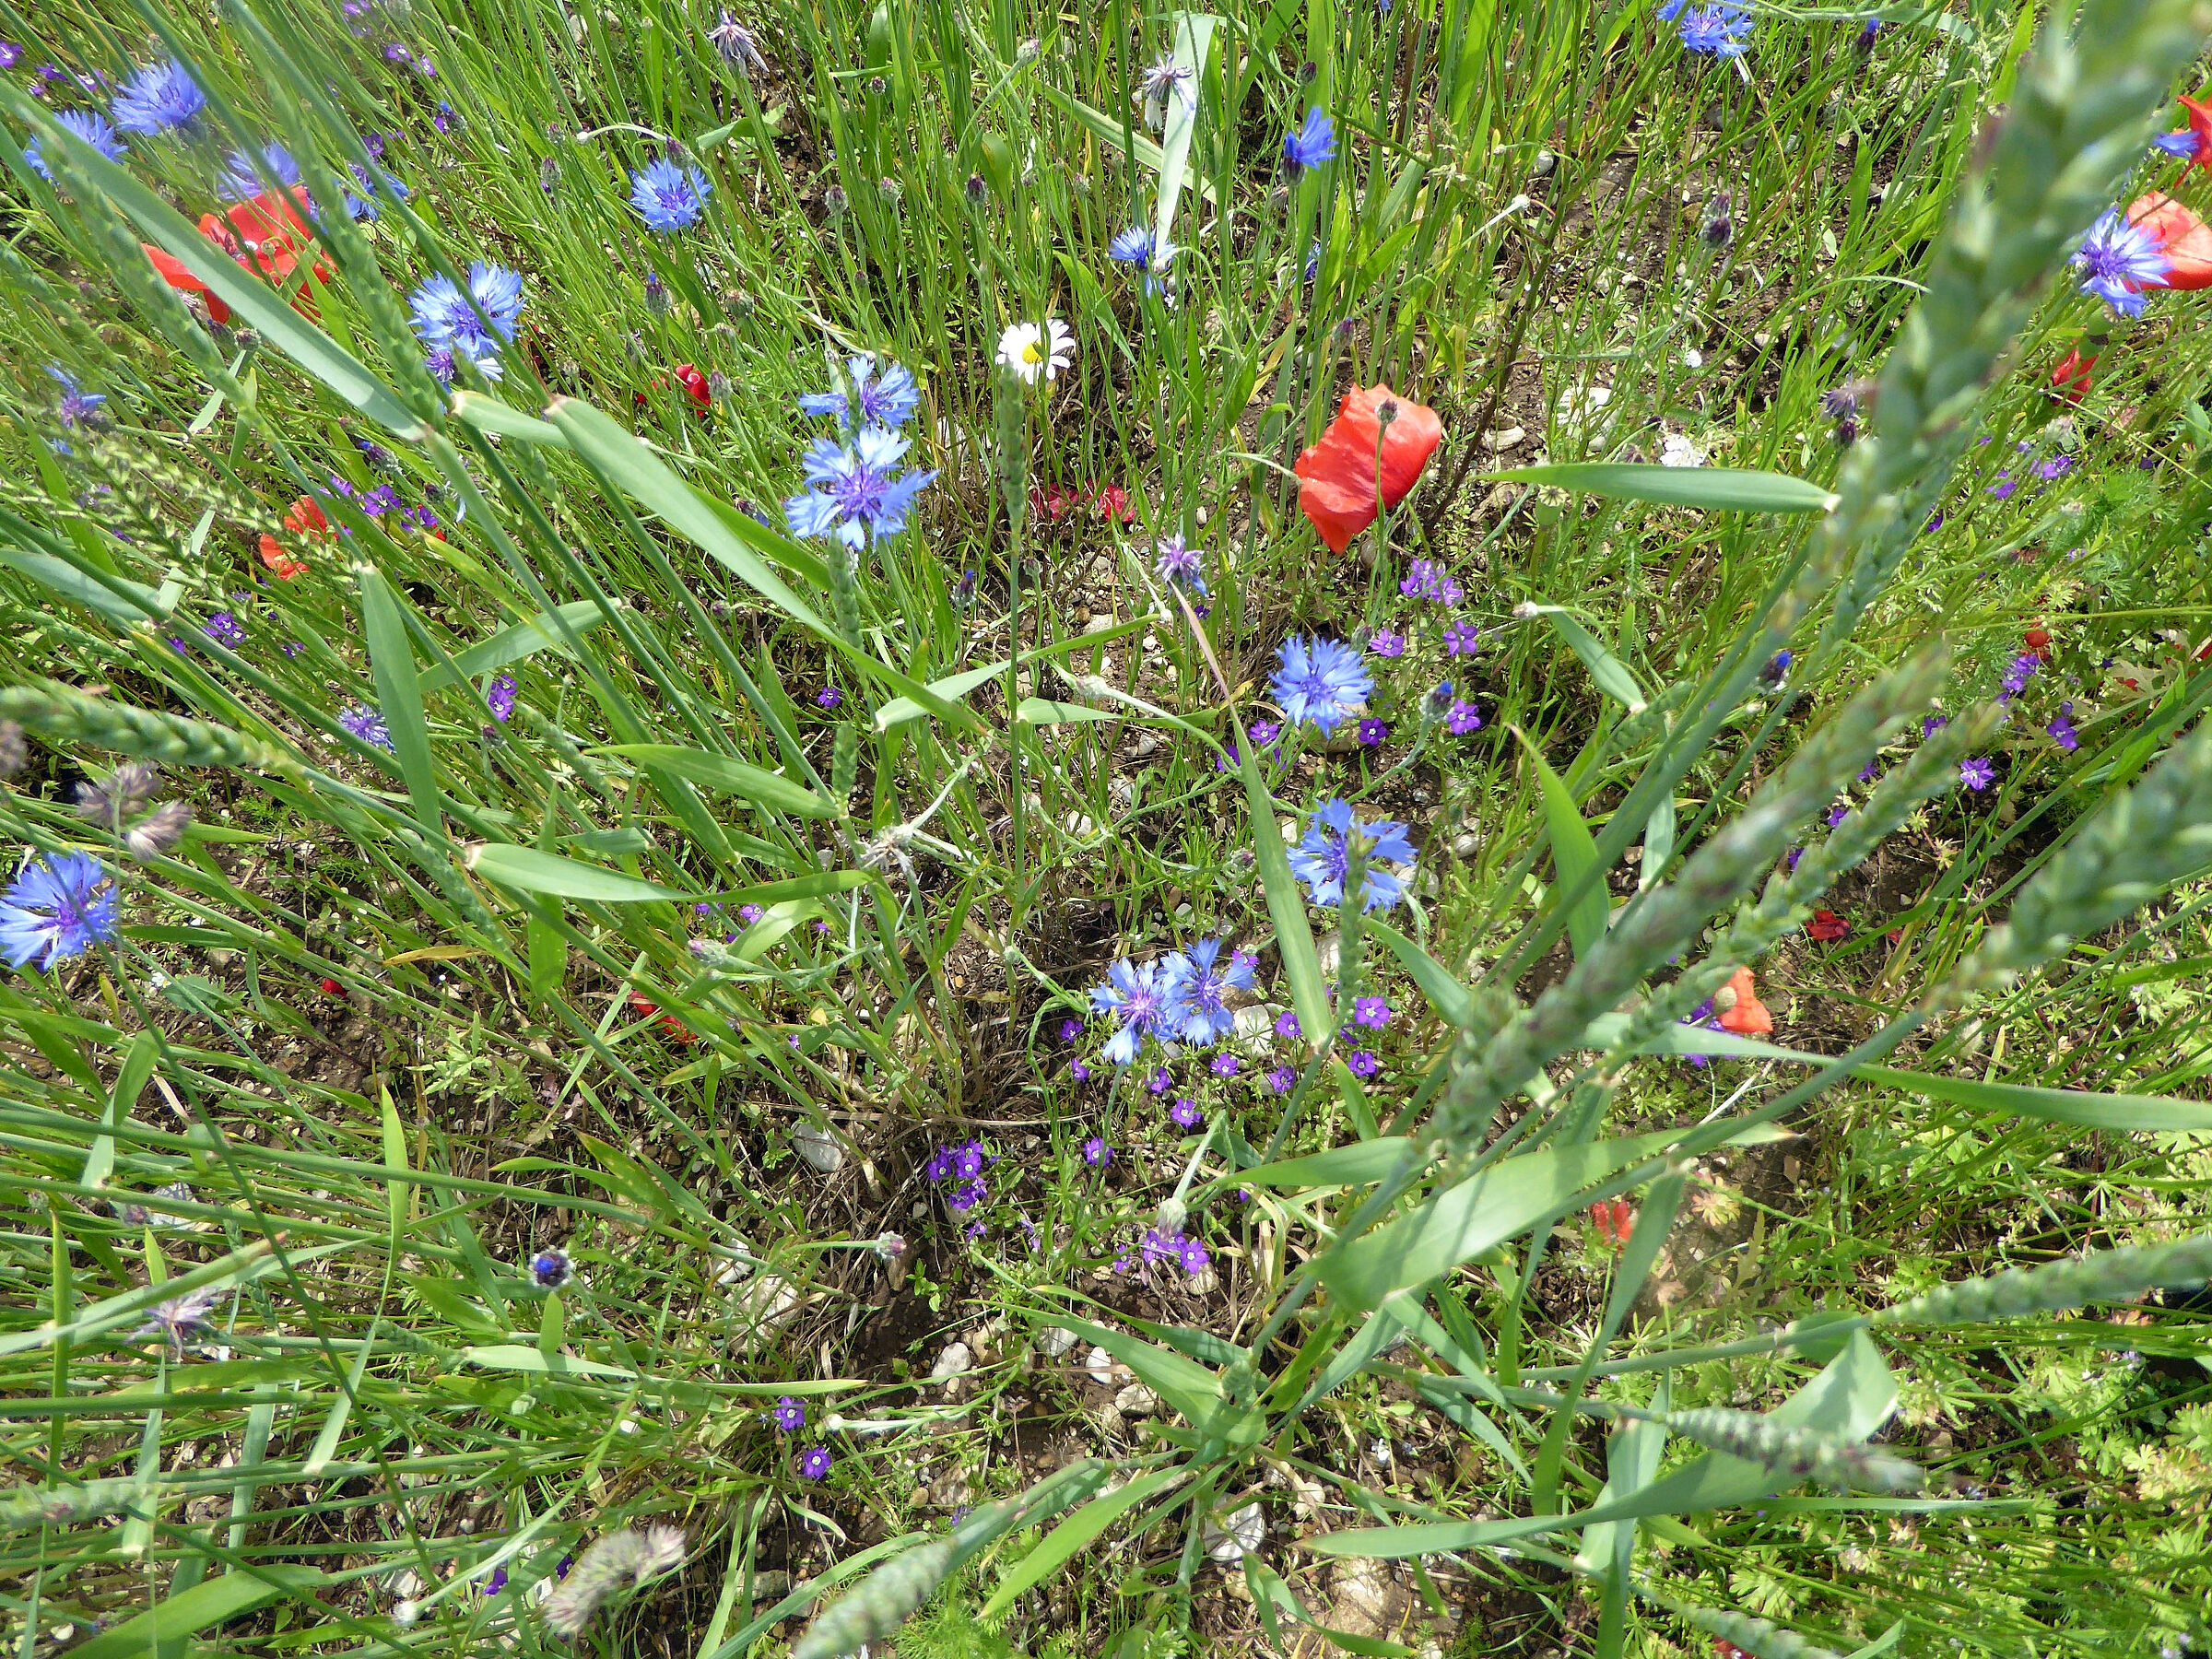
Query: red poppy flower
x,y
306,518
332,988
1827,927
675,1028
1337,478
1615,1221
2183,237
282,565
1745,1016
696,384
1113,505
2038,640
2070,380
265,235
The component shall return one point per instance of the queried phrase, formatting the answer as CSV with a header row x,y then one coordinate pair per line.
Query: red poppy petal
x,y
2181,235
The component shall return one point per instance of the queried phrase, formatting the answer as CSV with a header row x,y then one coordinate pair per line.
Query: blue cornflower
x,y
1310,145
1319,858
363,208
88,124
1137,1001
885,397
243,173
57,909
78,405
444,315
158,99
2122,260
368,725
669,197
1196,985
1320,680
1715,30
2175,143
1175,561
855,492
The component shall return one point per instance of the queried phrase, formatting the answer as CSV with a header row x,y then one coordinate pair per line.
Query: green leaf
x,y
504,420
1193,36
2147,1114
211,1602
522,640
1716,489
1574,854
131,1078
724,776
1178,1379
1043,711
734,541
1487,1209
2139,1114
1109,132
244,1265
1356,1163
1451,999
399,696
527,870
1612,676
953,687
63,578
1285,903
256,303
1851,1398
1077,1533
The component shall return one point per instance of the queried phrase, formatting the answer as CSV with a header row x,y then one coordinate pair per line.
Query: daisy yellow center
x,y
1033,352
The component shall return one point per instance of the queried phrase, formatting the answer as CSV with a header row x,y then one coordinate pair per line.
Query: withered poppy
x,y
1747,1017
1342,483
2183,237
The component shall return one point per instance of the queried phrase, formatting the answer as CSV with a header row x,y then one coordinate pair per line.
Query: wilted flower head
x,y
1176,561
738,46
1160,78
182,1316
159,832
551,1268
621,1560
1719,228
57,909
126,792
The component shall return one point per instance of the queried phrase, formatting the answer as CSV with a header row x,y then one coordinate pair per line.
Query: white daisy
x,y
1036,350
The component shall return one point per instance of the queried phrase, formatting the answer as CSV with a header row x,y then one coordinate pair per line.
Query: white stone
x,y
818,1147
